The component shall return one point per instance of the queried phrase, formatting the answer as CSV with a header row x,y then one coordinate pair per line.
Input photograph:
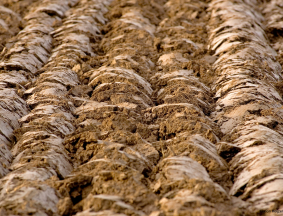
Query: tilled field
x,y
141,107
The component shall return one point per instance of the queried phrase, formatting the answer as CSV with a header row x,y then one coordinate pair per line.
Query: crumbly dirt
x,y
14,21
135,116
140,126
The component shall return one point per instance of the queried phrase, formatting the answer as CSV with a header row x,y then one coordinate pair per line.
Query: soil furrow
x,y
141,107
39,153
10,23
189,163
273,23
20,7
112,157
248,107
27,54
117,125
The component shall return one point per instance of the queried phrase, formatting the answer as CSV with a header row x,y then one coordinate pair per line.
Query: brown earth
x,y
124,107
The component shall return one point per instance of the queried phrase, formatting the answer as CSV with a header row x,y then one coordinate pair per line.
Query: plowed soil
x,y
141,107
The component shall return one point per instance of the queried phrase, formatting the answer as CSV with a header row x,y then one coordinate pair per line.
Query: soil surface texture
x,y
141,107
